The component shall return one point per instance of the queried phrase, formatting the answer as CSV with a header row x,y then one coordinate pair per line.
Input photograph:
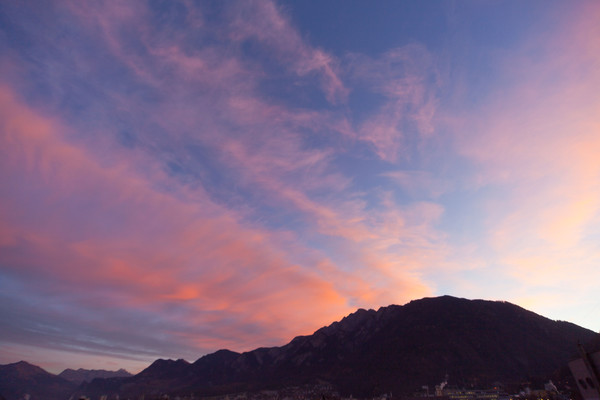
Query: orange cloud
x,y
106,235
118,233
124,244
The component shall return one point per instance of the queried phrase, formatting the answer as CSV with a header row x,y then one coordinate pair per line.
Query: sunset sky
x,y
181,177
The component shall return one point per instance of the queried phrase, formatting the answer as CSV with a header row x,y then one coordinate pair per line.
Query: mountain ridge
x,y
81,375
368,352
396,348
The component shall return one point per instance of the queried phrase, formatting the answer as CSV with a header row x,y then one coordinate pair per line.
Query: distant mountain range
x,y
22,378
87,375
394,349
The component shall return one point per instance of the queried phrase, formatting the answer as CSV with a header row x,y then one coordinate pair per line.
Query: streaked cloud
x,y
180,178
195,233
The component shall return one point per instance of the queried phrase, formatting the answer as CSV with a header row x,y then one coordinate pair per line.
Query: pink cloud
x,y
407,78
102,226
264,21
159,249
534,142
267,158
374,236
91,223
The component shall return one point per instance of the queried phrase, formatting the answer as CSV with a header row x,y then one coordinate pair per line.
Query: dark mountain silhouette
x,y
22,378
87,375
593,345
395,349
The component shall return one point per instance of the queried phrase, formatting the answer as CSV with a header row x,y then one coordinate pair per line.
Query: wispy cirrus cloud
x,y
111,231
178,178
265,22
158,189
407,79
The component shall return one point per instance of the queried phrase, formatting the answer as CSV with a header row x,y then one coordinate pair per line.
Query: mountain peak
x,y
87,375
162,367
25,369
23,377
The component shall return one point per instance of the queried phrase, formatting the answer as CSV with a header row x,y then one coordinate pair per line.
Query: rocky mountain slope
x,y
394,349
19,379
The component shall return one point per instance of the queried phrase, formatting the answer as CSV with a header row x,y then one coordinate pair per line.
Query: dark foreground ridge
x,y
394,349
22,378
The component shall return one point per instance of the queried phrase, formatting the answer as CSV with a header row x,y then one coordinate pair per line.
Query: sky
x,y
178,177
